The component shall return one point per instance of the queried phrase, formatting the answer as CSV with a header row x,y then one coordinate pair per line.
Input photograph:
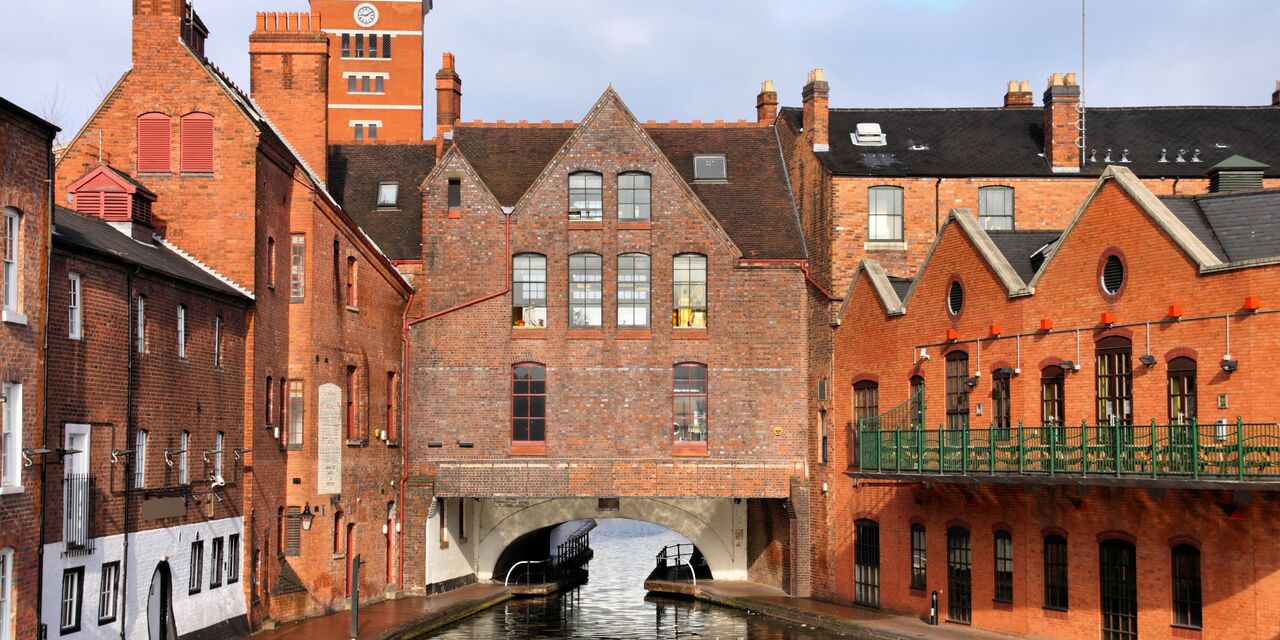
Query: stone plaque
x,y
161,508
329,439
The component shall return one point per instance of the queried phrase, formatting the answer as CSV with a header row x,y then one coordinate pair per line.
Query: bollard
x,y
355,596
933,608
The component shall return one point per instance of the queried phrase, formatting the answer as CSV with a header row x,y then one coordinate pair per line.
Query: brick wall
x,y
768,543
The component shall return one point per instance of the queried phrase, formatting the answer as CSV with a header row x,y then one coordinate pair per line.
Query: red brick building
x,y
962,391
24,202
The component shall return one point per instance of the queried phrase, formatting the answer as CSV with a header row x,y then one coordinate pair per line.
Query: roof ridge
x,y
202,266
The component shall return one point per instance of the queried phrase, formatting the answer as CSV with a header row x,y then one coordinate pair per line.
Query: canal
x,y
613,603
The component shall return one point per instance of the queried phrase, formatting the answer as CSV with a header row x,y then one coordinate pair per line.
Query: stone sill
x,y
530,448
688,334
635,226
878,245
634,334
689,449
13,317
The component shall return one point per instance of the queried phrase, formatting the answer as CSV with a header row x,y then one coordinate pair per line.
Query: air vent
x,y
709,168
955,298
1236,173
868,134
1113,275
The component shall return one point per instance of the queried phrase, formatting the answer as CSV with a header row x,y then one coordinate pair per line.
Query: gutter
x,y
506,278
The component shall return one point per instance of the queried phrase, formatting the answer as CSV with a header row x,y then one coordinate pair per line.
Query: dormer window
x,y
112,196
868,134
388,195
709,169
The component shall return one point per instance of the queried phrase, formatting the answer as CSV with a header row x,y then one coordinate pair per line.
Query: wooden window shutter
x,y
154,148
197,143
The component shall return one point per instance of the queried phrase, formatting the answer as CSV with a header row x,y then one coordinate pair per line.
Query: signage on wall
x,y
366,15
777,431
329,440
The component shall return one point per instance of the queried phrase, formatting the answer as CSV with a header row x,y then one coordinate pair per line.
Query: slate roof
x,y
1018,247
753,206
1009,141
79,231
1236,226
355,173
901,286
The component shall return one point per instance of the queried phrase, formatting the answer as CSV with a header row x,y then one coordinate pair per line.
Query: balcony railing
x,y
1239,451
77,491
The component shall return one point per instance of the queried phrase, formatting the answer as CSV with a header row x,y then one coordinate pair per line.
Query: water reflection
x,y
613,604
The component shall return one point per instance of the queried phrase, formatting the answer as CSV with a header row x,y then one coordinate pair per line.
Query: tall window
x,y
390,428
108,593
1118,578
350,397
217,455
1115,381
528,403
271,262
1186,586
634,196
297,409
866,563
140,330
454,194
293,531
1052,392
184,443
72,596
689,276
233,558
11,438
866,404
195,577
74,326
1182,390
1000,413
586,290
297,267
197,143
959,575
917,402
140,459
1055,572
182,331
633,290
884,214
346,45
155,132
690,402
337,532
268,391
12,261
1004,566
217,341
995,208
586,196
957,390
215,562
6,593
282,420
352,283
529,290
918,572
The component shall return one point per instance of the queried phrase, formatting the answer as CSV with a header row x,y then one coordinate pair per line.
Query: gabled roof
x,y
82,232
1009,141
1020,247
882,284
508,159
355,173
1238,226
103,175
983,244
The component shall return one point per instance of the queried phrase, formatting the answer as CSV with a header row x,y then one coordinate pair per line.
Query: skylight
x,y
709,168
868,134
388,194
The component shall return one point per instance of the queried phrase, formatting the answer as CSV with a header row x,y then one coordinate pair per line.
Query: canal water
x,y
613,603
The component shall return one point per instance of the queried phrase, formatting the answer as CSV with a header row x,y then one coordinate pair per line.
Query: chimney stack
x,y
1275,96
1061,124
448,99
1019,94
157,27
816,93
767,103
289,76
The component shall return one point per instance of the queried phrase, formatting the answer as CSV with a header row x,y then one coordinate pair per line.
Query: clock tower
x,y
375,68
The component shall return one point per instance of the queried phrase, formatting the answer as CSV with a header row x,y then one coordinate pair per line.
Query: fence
x,y
77,491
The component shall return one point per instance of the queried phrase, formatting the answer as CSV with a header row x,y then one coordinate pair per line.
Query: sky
x,y
705,59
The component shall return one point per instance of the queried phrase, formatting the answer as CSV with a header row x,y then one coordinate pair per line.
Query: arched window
x,y
586,290
1004,566
866,563
1052,390
689,402
12,247
197,143
957,390
1114,359
1055,572
884,214
1186,586
919,576
529,291
689,298
586,196
1001,420
866,404
6,593
633,290
1182,391
634,196
995,208
353,283
155,132
528,402
917,402
1118,575
959,575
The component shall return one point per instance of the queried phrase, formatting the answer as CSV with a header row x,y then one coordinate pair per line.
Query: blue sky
x,y
670,59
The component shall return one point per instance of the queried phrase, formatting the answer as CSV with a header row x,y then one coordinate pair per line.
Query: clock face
x,y
366,15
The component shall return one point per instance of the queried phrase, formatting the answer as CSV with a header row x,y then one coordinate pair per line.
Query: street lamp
x,y
306,517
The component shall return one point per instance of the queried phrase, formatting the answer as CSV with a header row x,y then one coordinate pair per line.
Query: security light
x,y
1229,365
1148,360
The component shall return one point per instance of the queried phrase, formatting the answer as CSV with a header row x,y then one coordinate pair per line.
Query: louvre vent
x,y
1112,275
955,298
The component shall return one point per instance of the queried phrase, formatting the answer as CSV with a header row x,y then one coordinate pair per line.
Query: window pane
x,y
586,196
586,290
633,196
633,290
884,213
690,291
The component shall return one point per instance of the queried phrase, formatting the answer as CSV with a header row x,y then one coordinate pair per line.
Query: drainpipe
x,y
131,461
44,389
937,206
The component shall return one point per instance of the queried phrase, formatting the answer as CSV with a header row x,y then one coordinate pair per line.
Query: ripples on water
x,y
613,603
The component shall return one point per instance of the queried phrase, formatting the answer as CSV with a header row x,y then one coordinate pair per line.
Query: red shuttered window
x,y
154,133
197,143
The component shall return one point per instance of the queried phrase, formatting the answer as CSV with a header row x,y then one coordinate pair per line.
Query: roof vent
x,y
1236,173
868,134
709,169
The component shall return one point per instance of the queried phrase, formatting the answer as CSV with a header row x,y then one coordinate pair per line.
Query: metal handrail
x,y
507,581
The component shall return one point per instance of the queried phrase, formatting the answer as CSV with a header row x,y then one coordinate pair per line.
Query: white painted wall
x,y
456,560
147,549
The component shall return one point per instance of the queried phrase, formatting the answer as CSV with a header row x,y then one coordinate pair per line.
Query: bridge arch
x,y
712,525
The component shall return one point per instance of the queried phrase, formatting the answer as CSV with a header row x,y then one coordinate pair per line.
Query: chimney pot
x,y
1024,87
1055,80
1061,119
1019,94
1071,79
767,86
1013,86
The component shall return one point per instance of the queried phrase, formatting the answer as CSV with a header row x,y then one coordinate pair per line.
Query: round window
x,y
1112,275
955,298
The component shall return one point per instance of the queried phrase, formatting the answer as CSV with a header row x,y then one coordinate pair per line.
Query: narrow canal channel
x,y
613,603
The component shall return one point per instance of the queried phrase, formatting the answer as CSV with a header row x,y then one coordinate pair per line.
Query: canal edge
x,y
796,616
423,626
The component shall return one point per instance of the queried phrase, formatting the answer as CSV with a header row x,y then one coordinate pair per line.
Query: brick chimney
x,y
767,103
1061,116
1275,96
1019,94
158,25
289,75
815,94
448,99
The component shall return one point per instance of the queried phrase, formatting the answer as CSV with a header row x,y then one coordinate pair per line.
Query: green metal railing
x,y
1236,450
907,416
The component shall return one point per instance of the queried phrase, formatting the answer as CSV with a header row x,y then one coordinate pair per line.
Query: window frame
x,y
633,288
453,193
12,252
217,342
140,438
181,322
108,593
233,558
895,216
6,593
685,315
75,315
957,390
959,575
76,599
195,568
218,440
271,262
628,204
1056,572
297,267
353,283
685,432
866,563
11,428
217,549
140,328
919,557
1187,588
866,404
521,281
1182,390
591,282
985,219
389,429
1113,376
388,203
1003,552
350,414
530,418
297,415
1001,405
184,466
1053,385
592,197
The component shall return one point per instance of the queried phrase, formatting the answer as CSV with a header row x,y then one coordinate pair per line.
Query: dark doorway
x,y
959,576
1119,577
160,605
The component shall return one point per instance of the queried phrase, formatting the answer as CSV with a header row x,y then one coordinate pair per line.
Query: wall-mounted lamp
x,y
306,517
1147,360
210,452
972,382
238,451
1228,364
27,453
169,452
1069,364
117,453
924,354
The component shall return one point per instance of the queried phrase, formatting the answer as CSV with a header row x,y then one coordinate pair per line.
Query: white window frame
x,y
140,459
217,342
195,568
182,331
383,189
11,440
184,444
69,613
12,264
75,326
217,456
896,219
233,558
6,593
109,593
140,331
